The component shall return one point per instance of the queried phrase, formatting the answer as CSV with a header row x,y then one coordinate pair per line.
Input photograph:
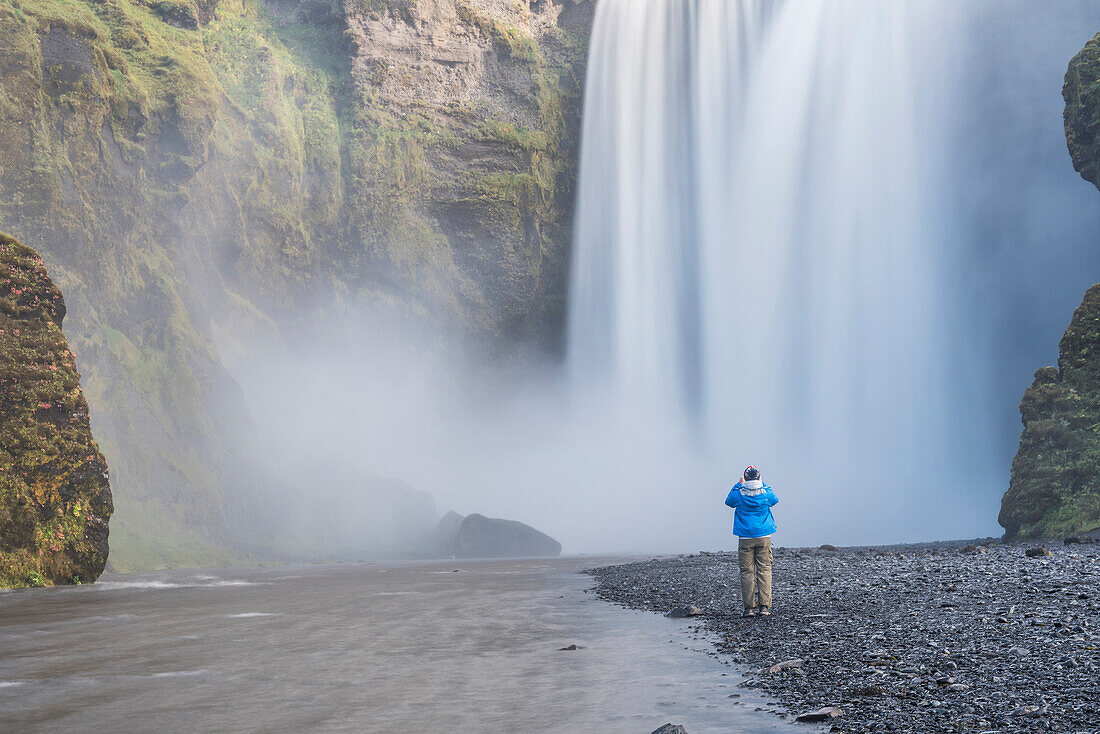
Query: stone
x,y
569,648
1038,551
828,547
969,549
670,729
822,714
685,611
786,665
487,537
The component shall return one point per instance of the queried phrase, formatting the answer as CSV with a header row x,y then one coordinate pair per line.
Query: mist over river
x,y
454,647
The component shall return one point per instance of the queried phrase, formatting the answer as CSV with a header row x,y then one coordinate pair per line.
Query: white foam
x,y
10,683
179,674
158,584
245,615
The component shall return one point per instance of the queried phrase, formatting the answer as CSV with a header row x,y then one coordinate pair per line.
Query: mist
x,y
859,322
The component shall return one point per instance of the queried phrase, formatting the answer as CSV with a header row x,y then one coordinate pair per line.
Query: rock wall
x,y
1081,93
197,173
55,499
1054,490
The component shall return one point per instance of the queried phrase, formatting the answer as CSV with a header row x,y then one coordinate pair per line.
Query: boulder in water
x,y
488,537
671,728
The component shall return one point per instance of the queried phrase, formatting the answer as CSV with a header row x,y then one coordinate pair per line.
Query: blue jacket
x,y
752,509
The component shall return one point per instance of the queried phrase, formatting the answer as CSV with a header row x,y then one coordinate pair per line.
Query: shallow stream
x,y
415,647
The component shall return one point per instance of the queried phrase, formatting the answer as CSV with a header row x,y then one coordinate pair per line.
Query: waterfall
x,y
754,257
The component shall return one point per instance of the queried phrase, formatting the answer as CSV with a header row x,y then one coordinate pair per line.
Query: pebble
x,y
873,639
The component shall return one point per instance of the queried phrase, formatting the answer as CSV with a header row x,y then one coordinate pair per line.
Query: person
x,y
752,503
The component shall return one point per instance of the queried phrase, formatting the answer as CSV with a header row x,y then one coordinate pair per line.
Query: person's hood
x,y
752,487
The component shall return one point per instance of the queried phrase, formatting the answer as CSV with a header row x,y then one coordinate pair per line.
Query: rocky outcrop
x,y
1055,485
1054,490
487,537
55,499
1082,116
477,536
202,171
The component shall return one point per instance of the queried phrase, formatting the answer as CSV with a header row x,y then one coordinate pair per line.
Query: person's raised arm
x,y
733,499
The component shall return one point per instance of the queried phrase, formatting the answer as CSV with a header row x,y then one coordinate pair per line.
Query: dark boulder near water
x,y
477,536
670,729
55,498
490,537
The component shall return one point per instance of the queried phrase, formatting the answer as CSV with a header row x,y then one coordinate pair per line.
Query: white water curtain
x,y
756,247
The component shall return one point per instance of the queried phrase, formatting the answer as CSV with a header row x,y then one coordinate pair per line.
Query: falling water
x,y
754,257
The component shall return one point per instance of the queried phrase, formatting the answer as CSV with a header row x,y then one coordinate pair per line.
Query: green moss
x,y
54,496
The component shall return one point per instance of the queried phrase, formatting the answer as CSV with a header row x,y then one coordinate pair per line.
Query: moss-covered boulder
x,y
55,498
1082,116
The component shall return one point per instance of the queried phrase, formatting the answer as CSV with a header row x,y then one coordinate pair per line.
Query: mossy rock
x,y
55,497
1082,116
1055,486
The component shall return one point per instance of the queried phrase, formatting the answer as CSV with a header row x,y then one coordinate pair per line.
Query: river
x,y
369,647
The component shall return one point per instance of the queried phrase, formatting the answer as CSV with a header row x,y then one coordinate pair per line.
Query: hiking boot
x,y
751,612
766,612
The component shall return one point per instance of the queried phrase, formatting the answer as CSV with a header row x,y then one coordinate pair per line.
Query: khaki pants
x,y
754,556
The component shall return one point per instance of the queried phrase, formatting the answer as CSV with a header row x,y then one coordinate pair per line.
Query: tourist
x,y
752,502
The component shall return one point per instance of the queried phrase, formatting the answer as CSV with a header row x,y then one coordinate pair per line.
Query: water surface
x,y
425,647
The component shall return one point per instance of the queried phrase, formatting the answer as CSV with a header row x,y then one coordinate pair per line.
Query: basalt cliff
x,y
55,499
199,172
1055,486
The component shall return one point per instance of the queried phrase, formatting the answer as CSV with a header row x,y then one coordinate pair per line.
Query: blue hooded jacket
x,y
752,509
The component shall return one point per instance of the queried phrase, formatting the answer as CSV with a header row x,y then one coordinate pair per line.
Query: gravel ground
x,y
920,638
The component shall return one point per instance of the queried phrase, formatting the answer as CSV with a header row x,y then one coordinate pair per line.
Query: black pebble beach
x,y
945,637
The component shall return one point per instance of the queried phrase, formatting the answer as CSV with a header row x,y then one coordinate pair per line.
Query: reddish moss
x,y
55,498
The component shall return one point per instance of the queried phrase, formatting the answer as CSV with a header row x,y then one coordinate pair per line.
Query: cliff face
x,y
1082,117
201,170
1055,485
55,499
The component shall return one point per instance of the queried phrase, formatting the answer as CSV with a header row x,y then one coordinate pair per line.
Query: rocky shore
x,y
944,637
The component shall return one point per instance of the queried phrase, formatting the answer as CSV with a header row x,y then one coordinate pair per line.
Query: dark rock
x,y
486,537
55,498
828,547
1082,113
823,714
569,648
1038,551
670,729
687,611
970,549
1089,538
